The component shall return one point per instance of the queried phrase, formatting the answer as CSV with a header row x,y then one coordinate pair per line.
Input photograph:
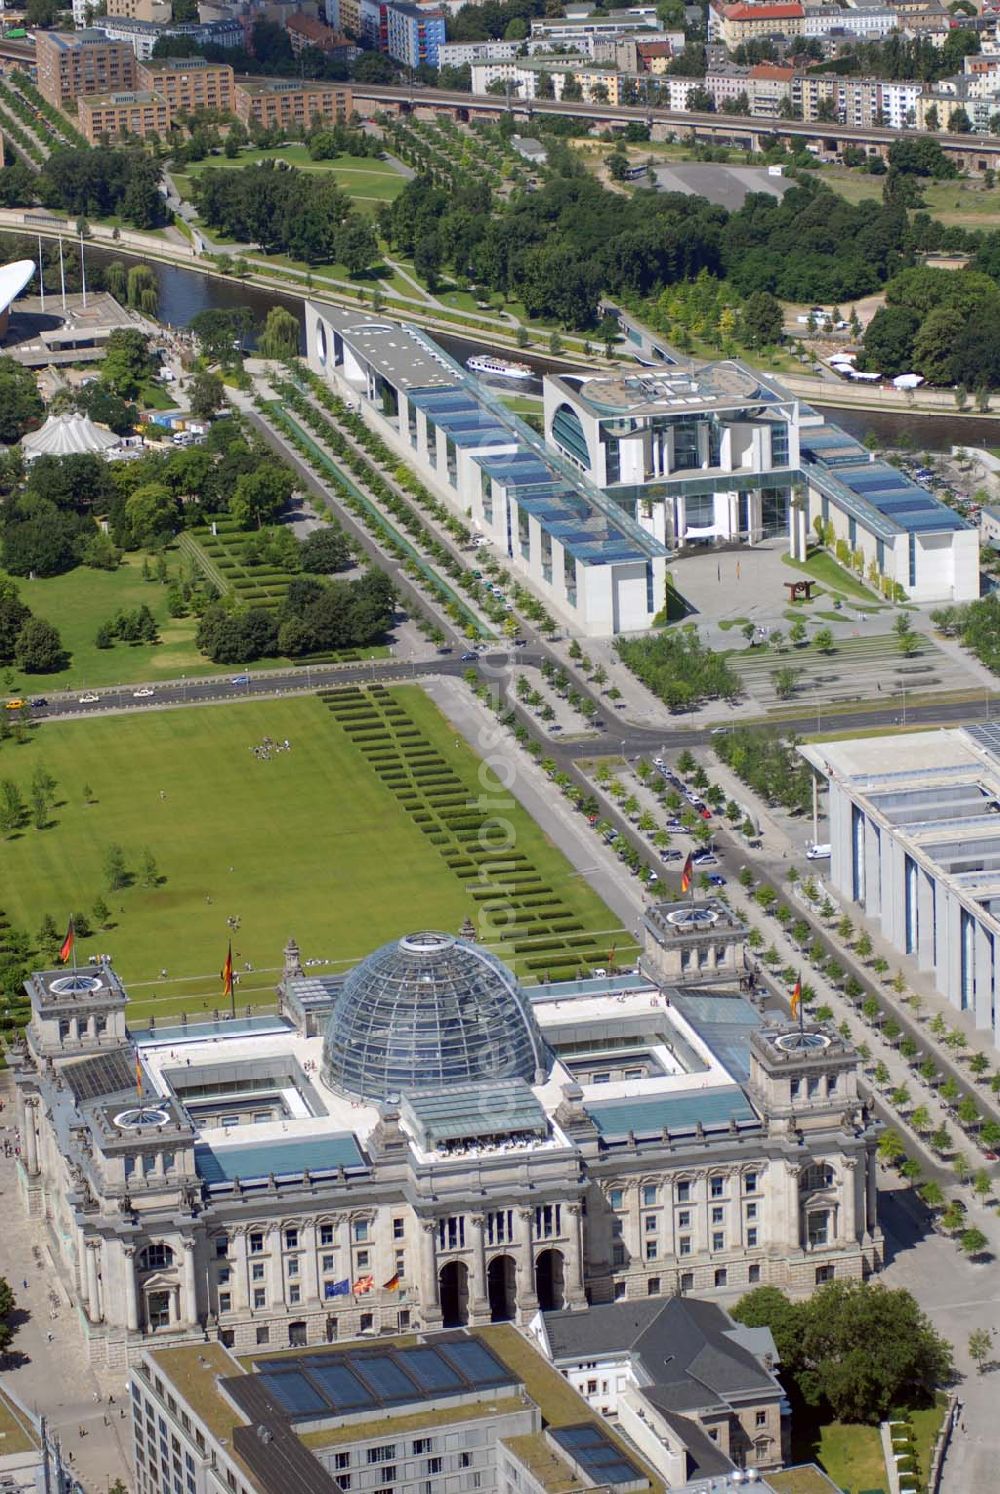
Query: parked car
x,y
716,879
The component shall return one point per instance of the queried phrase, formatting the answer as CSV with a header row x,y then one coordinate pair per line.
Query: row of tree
x,y
769,764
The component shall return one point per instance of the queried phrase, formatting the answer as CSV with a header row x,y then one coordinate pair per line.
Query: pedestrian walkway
x,y
50,1371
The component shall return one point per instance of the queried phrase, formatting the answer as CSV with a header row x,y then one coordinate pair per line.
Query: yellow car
x,y
15,705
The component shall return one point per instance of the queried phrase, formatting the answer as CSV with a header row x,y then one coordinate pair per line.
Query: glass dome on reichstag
x,y
429,1012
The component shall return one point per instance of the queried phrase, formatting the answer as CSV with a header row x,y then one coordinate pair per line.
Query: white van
x,y
818,853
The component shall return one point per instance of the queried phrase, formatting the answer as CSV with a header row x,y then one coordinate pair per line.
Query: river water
x,y
183,293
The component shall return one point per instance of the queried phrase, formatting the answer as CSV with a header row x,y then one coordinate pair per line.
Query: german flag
x,y
392,1285
687,875
797,997
226,973
66,947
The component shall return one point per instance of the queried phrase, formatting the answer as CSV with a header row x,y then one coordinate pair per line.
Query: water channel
x,y
183,293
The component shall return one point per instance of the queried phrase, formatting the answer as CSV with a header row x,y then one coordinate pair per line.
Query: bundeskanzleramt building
x,y
425,1143
721,454
915,845
581,554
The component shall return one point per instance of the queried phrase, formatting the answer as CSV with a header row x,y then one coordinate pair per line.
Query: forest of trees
x,y
942,324
304,214
563,246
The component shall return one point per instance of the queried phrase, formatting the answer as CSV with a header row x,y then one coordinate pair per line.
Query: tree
x,y
126,361
982,1183
101,913
39,648
863,947
761,320
115,869
207,395
973,1242
325,550
280,338
12,809
824,640
261,495
889,340
980,1347
152,513
21,406
149,873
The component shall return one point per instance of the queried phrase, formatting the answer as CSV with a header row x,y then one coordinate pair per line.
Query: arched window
x,y
568,433
155,1257
816,1175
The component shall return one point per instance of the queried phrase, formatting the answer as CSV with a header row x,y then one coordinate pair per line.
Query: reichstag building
x,y
426,1143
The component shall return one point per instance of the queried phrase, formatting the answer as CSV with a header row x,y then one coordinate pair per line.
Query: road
x,y
739,126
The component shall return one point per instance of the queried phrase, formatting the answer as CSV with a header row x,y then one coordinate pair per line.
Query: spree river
x,y
183,293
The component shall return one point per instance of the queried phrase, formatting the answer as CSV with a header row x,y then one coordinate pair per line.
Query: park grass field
x,y
368,181
79,601
310,844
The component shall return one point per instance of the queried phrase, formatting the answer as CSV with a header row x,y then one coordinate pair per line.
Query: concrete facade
x,y
915,844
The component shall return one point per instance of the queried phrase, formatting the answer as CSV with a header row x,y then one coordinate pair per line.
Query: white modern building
x,y
722,454
587,560
915,845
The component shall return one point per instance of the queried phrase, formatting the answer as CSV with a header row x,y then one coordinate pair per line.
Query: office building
x,y
915,846
586,559
113,116
188,84
716,453
71,64
294,1179
289,101
679,1368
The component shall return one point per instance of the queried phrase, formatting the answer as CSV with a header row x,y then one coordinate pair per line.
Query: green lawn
x,y
364,178
824,568
311,843
79,601
851,1455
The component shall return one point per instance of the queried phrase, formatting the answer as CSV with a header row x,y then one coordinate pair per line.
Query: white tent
x,y
908,381
69,435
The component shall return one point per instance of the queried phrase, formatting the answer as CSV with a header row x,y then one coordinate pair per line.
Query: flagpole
x,y
802,1015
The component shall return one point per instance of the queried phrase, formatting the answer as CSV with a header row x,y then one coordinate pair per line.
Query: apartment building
x,y
112,115
188,84
524,76
306,31
287,101
71,64
156,12
411,34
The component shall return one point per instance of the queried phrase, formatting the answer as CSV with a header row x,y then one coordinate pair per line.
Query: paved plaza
x,y
49,1370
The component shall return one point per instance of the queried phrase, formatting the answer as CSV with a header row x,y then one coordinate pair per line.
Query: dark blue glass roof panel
x,y
343,1390
386,1376
294,1393
714,1109
593,1451
283,1158
475,1361
431,1371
